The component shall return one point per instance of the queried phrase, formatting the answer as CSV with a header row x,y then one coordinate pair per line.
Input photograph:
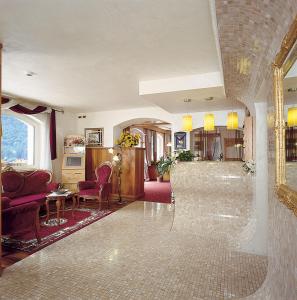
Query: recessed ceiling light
x,y
292,89
209,98
29,73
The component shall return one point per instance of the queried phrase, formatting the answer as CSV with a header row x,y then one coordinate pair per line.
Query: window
x,y
17,141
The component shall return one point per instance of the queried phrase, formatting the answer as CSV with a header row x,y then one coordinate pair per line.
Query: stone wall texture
x,y
250,35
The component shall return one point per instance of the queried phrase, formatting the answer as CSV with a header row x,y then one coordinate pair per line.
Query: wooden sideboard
x,y
132,185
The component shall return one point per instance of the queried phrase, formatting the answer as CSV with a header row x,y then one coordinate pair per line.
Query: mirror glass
x,y
290,116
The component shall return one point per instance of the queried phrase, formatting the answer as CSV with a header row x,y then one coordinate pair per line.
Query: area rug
x,y
82,217
157,191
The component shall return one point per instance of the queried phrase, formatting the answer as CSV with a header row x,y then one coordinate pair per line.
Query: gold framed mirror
x,y
285,96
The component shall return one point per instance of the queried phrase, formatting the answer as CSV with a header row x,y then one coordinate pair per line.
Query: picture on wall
x,y
180,139
94,137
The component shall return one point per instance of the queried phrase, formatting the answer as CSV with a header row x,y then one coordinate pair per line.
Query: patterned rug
x,y
50,234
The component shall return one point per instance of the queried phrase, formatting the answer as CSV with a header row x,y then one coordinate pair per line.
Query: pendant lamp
x,y
209,122
187,123
292,116
232,120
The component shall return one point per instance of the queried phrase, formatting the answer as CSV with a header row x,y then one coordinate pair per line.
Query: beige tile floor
x,y
135,253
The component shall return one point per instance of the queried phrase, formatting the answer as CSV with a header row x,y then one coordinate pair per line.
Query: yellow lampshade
x,y
292,116
187,123
209,123
232,120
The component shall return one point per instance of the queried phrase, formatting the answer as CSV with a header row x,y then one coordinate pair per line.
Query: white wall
x,y
65,124
109,119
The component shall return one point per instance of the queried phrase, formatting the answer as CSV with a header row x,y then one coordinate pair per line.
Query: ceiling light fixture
x,y
209,122
209,98
292,116
232,120
292,89
30,73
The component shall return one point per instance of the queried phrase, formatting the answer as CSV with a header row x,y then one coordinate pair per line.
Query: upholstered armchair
x,y
20,219
98,189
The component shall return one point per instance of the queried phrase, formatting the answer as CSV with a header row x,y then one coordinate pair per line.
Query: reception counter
x,y
132,183
212,198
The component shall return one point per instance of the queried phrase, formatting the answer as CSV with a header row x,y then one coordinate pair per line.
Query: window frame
x,y
36,125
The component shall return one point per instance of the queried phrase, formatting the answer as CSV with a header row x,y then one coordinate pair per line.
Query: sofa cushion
x,y
18,184
89,192
36,183
5,202
27,199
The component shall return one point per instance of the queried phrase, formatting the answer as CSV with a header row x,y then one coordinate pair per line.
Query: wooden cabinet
x,y
70,178
132,185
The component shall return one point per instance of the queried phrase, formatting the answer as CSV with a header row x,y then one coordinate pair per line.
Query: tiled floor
x,y
135,253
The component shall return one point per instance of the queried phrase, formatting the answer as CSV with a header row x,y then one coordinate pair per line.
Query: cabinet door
x,y
72,176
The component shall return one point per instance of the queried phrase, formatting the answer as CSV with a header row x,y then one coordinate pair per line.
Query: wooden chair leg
x,y
37,226
37,219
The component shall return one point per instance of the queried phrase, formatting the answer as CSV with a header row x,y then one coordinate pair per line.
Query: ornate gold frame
x,y
287,195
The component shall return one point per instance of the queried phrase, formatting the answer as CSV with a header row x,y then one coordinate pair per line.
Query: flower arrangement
x,y
249,167
73,140
128,139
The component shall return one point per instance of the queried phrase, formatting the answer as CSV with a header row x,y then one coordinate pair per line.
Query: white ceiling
x,y
173,102
91,55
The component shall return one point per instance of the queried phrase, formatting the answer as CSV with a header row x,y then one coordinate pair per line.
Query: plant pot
x,y
152,172
166,176
160,178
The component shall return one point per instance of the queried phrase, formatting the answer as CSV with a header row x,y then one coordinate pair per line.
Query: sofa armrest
x,y
86,185
21,218
52,186
5,202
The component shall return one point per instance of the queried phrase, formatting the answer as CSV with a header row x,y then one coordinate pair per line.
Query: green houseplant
x,y
164,165
185,156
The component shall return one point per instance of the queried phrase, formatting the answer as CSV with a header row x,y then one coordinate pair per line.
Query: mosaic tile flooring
x,y
134,254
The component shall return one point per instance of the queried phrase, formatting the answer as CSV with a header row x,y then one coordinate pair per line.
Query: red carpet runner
x,y
49,235
157,191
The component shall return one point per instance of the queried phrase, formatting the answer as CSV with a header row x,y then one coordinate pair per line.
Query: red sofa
x,y
26,187
23,193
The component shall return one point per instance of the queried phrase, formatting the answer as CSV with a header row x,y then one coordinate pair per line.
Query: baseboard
x,y
128,197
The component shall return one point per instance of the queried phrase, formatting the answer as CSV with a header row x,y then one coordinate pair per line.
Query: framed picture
x,y
94,137
180,140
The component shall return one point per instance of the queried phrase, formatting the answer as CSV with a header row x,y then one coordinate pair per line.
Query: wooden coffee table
x,y
60,205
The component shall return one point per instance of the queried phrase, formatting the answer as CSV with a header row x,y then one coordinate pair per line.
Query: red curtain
x,y
26,111
53,141
4,100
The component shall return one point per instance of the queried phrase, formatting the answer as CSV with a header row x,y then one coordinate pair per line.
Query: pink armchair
x,y
20,219
98,189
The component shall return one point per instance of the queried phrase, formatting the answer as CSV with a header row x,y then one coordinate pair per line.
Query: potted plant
x,y
152,170
185,156
163,167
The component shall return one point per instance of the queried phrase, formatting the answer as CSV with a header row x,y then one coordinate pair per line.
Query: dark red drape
x,y
26,111
4,100
53,142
